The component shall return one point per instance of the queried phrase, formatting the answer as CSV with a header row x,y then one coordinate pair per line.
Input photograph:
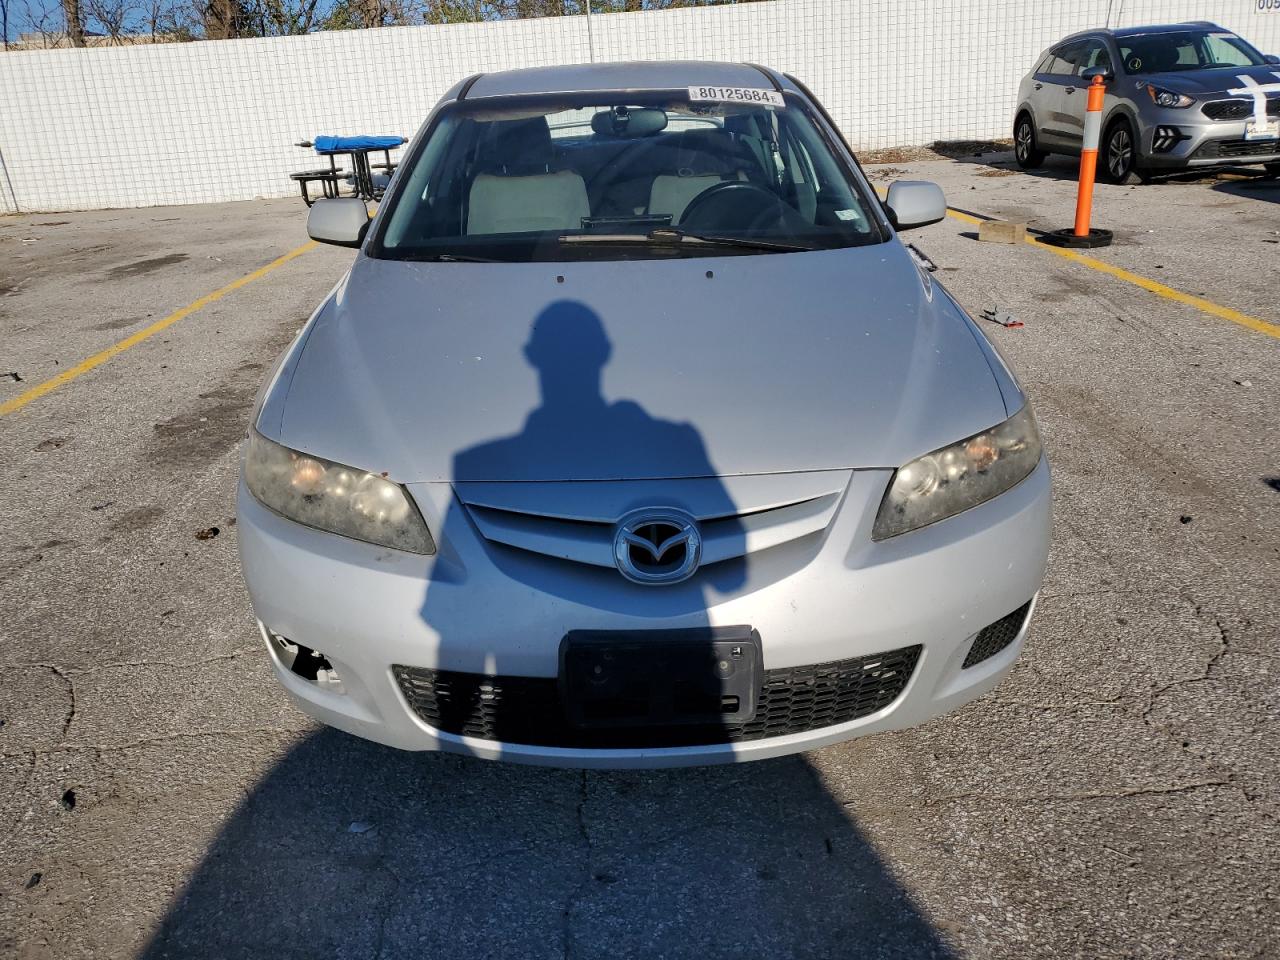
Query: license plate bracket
x,y
620,679
1268,131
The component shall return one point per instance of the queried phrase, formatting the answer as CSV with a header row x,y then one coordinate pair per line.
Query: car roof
x,y
620,77
1121,33
1164,28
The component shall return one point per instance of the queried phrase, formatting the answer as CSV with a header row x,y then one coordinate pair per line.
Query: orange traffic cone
x,y
1081,235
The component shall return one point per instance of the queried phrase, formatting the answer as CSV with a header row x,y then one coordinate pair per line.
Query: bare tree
x,y
4,22
75,21
45,18
160,16
111,15
276,18
456,11
225,19
154,14
371,13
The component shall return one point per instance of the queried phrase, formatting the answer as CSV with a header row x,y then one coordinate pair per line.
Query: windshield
x,y
1186,50
608,176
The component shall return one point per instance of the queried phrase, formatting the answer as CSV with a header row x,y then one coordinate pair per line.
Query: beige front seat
x,y
518,191
507,204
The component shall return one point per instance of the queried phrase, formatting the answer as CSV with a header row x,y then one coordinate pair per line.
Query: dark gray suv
x,y
1178,96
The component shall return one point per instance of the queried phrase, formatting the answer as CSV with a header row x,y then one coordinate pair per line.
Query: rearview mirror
x,y
341,222
629,122
914,203
1272,58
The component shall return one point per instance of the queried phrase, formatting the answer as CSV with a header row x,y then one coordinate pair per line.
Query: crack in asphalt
x,y
65,672
148,741
71,694
387,907
1123,794
566,914
1224,645
175,665
1206,673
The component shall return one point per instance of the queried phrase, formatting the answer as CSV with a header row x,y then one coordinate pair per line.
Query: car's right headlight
x,y
962,475
332,497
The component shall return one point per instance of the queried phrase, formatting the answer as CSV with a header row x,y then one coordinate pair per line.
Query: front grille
x,y
1238,109
994,637
576,521
528,710
1237,148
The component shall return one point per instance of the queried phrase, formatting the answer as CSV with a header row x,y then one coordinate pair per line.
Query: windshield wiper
x,y
674,236
450,258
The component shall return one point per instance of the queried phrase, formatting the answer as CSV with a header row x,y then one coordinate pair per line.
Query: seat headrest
x,y
515,147
710,151
742,124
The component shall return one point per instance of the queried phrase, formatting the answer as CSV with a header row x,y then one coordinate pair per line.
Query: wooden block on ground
x,y
1002,231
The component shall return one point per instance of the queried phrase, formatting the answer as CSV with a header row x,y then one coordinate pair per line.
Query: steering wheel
x,y
732,205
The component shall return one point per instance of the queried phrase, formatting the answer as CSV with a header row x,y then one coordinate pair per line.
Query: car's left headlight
x,y
963,475
332,497
1168,98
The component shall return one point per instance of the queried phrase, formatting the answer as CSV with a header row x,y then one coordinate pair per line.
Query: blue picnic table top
x,y
326,144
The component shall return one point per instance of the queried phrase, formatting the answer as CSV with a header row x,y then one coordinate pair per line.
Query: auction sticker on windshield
x,y
770,98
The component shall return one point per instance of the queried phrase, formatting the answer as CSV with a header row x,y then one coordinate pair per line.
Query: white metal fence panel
x,y
211,121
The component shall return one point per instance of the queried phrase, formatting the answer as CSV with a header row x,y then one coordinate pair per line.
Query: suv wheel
x,y
1024,143
1118,158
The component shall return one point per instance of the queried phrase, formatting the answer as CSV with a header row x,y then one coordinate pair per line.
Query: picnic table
x,y
358,149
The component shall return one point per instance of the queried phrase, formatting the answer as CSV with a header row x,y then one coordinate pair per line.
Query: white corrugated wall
x,y
203,122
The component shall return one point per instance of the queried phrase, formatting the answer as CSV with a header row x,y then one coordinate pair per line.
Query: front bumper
x,y
1205,143
366,609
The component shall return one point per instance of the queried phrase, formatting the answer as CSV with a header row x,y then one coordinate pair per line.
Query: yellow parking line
x,y
84,366
1154,286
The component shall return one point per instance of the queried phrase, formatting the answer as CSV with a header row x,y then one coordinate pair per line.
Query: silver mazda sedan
x,y
635,436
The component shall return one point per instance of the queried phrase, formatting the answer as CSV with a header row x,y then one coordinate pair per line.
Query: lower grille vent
x,y
994,637
528,710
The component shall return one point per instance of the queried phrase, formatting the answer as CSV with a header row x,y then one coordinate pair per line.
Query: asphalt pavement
x,y
1117,796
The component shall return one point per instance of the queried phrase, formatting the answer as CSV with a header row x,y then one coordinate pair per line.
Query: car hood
x,y
629,370
1211,84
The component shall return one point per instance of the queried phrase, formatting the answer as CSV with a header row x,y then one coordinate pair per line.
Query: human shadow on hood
x,y
346,848
523,565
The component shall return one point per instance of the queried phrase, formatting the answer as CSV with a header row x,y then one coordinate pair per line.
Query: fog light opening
x,y
1166,138
311,665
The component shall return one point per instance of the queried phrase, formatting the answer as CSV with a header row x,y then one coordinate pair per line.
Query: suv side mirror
x,y
342,221
915,203
1104,72
1272,58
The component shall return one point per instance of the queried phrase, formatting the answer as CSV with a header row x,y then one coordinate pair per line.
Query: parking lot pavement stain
x,y
140,267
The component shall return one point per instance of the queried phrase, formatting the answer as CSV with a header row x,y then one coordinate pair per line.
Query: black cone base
x,y
1068,238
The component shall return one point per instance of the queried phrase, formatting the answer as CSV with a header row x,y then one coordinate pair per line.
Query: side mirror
x,y
1272,58
1104,72
341,222
913,203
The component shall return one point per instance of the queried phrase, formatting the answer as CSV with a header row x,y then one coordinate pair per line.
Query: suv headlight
x,y
963,475
329,496
1168,98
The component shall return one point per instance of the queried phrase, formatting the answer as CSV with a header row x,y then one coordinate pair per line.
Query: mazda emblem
x,y
657,546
